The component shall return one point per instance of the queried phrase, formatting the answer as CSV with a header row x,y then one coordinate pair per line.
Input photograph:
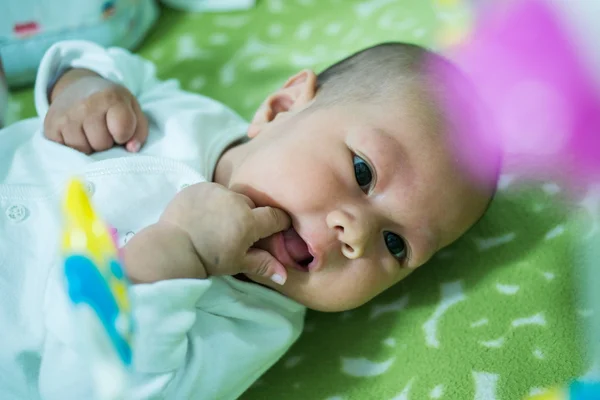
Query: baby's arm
x,y
162,251
206,230
163,102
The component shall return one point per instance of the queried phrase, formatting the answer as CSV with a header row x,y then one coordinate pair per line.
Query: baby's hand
x,y
223,225
89,113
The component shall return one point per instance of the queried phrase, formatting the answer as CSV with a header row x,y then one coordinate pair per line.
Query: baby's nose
x,y
352,231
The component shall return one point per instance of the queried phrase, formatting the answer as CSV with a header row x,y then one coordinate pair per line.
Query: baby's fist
x,y
89,113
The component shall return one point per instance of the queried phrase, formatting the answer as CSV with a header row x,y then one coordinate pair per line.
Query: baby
x,y
347,184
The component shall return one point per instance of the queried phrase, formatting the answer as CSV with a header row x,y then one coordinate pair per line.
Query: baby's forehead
x,y
408,130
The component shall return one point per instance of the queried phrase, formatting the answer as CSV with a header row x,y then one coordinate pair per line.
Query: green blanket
x,y
493,317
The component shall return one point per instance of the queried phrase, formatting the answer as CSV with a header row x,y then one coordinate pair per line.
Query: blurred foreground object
x,y
540,102
534,67
576,391
98,289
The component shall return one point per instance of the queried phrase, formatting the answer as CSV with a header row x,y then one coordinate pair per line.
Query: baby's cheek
x,y
379,274
316,194
366,282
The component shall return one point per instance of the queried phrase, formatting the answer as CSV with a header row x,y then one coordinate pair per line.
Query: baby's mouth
x,y
297,249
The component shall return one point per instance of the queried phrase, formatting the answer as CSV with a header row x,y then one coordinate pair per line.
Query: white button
x,y
90,188
17,212
128,237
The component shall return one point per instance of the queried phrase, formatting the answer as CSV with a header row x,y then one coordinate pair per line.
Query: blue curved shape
x,y
87,285
580,390
116,269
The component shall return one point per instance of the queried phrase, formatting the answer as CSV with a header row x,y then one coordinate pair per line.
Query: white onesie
x,y
196,339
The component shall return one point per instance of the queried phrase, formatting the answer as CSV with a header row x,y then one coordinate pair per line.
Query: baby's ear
x,y
298,91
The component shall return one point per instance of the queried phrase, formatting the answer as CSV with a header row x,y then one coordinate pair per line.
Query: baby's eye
x,y
395,245
363,174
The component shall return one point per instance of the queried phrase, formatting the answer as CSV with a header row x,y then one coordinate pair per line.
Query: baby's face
x,y
372,193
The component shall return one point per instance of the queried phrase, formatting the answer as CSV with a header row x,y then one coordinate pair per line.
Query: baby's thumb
x,y
262,263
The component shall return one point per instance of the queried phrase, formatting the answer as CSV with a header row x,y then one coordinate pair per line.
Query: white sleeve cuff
x,y
164,313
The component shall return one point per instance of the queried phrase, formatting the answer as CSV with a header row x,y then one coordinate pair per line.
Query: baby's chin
x,y
294,292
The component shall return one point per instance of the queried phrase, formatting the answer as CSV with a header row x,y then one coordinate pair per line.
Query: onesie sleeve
x,y
195,339
115,64
198,128
216,348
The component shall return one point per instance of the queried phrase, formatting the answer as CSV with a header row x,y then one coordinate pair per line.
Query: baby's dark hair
x,y
374,73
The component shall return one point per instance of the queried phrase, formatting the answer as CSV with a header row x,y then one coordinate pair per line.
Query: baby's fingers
x,y
268,221
121,122
51,129
97,132
75,138
262,263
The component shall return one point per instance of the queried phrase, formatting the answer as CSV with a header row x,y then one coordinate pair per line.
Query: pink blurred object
x,y
541,104
115,238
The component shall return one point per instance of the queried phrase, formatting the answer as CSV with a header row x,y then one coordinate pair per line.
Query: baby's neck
x,y
227,162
